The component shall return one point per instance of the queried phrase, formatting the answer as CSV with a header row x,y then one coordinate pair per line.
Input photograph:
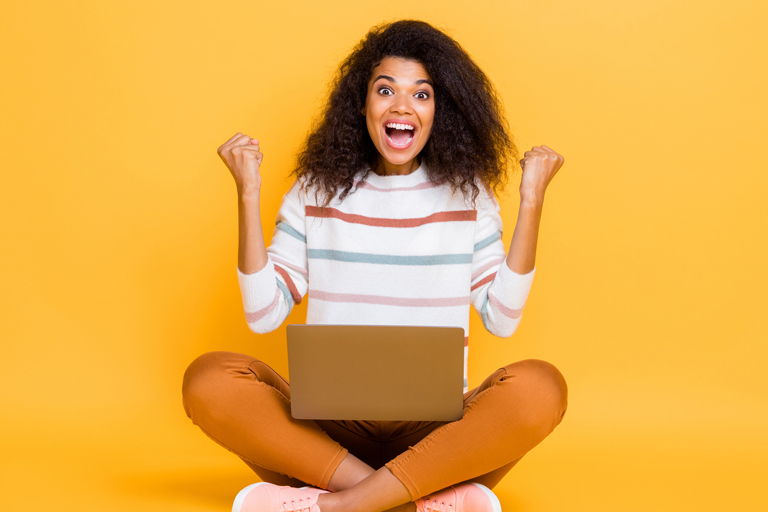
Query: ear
x,y
362,110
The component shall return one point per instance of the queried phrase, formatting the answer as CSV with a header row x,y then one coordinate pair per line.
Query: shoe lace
x,y
301,506
433,505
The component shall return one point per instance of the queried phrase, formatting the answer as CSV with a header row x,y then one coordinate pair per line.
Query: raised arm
x,y
242,157
271,280
540,165
501,283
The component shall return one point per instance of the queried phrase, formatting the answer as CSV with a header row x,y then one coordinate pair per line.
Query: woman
x,y
392,216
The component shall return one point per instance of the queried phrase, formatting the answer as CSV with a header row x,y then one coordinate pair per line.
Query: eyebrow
x,y
417,82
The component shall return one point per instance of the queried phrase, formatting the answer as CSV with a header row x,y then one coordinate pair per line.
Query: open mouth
x,y
399,135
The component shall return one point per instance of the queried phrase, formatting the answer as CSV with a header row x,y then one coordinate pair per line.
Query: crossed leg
x,y
245,406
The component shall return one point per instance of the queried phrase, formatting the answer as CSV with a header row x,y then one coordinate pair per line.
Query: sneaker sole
x,y
240,498
495,503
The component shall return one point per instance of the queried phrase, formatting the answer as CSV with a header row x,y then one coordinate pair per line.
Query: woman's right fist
x,y
242,157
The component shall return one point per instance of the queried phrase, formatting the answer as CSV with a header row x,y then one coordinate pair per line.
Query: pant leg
x,y
394,447
361,438
244,405
512,411
377,442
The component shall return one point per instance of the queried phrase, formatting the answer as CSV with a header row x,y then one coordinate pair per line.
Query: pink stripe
x,y
289,265
487,266
333,213
420,186
389,301
486,279
511,313
258,315
289,283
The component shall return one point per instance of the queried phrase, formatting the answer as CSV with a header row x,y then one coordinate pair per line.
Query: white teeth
x,y
400,126
400,145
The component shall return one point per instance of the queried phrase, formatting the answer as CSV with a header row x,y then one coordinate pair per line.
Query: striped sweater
x,y
399,250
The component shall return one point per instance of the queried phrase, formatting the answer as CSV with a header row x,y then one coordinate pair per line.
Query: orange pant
x,y
244,405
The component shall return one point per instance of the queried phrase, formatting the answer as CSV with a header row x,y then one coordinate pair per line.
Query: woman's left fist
x,y
540,165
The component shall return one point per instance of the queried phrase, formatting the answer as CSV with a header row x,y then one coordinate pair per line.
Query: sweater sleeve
x,y
497,293
270,294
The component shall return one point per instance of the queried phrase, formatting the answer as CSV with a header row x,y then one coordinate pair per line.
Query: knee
x,y
205,379
544,385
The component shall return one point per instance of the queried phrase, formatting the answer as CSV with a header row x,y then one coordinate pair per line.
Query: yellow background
x,y
119,237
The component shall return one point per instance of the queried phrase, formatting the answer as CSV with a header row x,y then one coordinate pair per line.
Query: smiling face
x,y
399,111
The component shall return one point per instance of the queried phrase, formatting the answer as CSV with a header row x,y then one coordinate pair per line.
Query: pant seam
x,y
332,467
248,367
413,490
404,479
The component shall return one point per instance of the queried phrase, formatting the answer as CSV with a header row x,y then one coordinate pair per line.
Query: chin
x,y
395,157
399,160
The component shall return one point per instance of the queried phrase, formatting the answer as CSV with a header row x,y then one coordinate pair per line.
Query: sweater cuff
x,y
512,288
257,289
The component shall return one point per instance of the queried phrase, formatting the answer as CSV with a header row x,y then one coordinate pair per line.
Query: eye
x,y
422,95
386,91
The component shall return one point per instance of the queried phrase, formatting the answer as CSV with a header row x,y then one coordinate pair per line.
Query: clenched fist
x,y
242,157
540,165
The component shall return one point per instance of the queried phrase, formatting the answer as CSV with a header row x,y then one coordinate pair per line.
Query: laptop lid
x,y
376,373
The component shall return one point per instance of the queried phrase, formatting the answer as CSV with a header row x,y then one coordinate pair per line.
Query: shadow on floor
x,y
217,488
207,487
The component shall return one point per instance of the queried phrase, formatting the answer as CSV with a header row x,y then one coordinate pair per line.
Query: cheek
x,y
426,139
428,121
371,119
372,131
427,113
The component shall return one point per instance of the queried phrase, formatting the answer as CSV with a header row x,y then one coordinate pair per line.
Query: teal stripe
x,y
286,294
487,241
484,313
389,259
288,229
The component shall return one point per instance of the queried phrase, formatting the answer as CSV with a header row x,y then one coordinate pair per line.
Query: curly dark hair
x,y
469,139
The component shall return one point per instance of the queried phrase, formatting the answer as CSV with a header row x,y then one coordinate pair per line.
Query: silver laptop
x,y
376,373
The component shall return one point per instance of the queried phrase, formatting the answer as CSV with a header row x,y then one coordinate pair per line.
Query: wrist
x,y
532,194
531,201
248,193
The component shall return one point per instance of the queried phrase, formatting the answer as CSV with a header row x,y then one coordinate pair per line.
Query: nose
x,y
401,105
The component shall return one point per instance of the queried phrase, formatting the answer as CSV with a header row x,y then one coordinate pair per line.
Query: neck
x,y
386,168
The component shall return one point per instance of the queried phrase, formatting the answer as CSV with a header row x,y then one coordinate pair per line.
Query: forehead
x,y
399,68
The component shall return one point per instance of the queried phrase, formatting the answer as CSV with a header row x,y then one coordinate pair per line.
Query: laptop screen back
x,y
376,373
